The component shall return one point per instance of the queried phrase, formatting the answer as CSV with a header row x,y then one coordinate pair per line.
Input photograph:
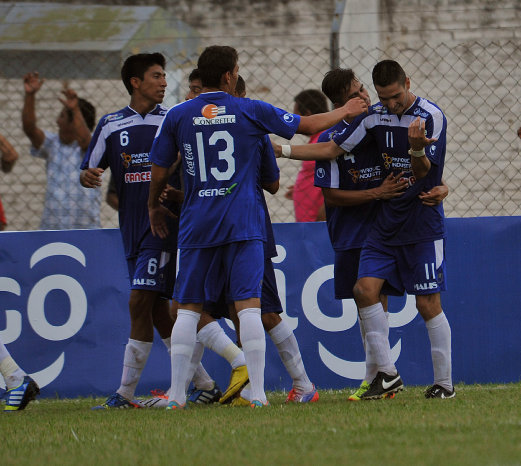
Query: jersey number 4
x,y
226,155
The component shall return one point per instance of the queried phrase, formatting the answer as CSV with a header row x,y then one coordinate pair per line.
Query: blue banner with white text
x,y
64,311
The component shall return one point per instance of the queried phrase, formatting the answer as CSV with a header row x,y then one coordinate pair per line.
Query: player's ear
x,y
135,82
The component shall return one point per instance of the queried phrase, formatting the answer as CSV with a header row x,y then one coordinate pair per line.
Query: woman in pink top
x,y
307,198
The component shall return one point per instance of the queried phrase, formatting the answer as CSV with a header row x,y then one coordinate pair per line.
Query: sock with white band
x,y
213,337
439,332
254,347
134,361
289,353
183,344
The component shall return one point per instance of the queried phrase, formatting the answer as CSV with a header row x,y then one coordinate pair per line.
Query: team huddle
x,y
190,182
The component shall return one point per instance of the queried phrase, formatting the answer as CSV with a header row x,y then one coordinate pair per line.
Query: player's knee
x,y
270,320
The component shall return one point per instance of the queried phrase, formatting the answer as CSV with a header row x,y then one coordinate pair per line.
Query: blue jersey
x,y
404,219
269,173
360,169
221,140
122,141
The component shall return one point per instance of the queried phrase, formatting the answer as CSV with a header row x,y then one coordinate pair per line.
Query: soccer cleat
x,y
205,396
296,396
175,405
155,402
116,401
437,391
361,390
158,393
238,380
17,398
240,401
259,404
383,386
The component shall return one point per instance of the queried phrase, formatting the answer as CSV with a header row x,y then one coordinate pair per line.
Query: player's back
x,y
220,138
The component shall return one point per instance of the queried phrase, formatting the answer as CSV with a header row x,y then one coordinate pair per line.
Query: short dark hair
x,y
194,74
335,82
312,101
388,72
88,111
135,66
215,61
240,87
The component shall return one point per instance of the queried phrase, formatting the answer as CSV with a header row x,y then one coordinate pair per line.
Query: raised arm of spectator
x,y
312,124
8,154
71,103
32,84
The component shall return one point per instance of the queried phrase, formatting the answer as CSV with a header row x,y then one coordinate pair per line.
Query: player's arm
x,y
435,196
156,211
32,84
312,124
393,186
272,188
319,151
420,163
9,154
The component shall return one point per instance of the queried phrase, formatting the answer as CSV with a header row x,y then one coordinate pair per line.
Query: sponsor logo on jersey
x,y
219,120
211,111
380,109
114,117
138,177
432,150
189,158
419,112
140,159
365,174
288,117
216,192
385,119
321,173
388,161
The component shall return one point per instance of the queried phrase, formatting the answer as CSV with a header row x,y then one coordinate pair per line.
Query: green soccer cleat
x,y
361,390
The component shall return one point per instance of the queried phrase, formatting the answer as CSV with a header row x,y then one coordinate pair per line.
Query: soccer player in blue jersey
x,y
221,228
406,243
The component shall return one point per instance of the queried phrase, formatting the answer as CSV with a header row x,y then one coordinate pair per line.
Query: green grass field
x,y
482,425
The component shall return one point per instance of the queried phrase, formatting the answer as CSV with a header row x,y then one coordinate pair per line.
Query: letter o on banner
x,y
312,310
36,307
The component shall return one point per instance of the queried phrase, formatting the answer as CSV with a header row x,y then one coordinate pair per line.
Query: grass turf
x,y
482,425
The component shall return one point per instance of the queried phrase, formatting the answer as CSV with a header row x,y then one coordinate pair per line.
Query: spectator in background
x,y
308,200
8,158
67,204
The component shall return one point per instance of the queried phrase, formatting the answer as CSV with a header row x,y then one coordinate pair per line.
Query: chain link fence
x,y
476,84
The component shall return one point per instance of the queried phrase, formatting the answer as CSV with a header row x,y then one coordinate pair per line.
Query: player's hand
x,y
393,186
32,82
172,194
435,196
354,107
289,192
158,223
91,177
417,138
71,99
277,148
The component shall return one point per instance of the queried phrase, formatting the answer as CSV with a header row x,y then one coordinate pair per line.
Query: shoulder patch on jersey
x,y
420,112
113,117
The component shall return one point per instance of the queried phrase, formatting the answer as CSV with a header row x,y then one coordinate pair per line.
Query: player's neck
x,y
211,89
141,106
